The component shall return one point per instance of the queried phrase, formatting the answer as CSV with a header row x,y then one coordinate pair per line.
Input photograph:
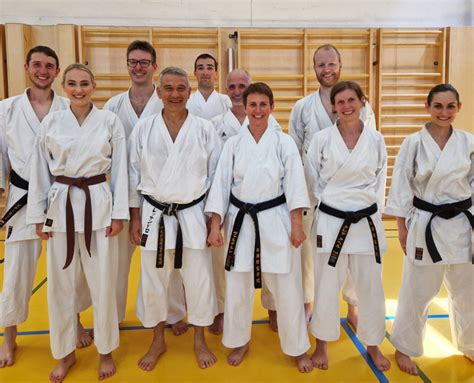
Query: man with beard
x,y
310,115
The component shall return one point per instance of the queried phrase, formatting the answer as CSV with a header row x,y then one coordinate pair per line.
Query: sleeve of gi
x,y
119,173
40,178
311,168
219,194
294,184
4,162
134,166
400,198
295,127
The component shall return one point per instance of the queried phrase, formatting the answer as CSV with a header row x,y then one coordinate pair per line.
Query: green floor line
x,y
39,286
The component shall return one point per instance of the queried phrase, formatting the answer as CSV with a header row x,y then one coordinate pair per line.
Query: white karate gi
x,y
256,173
437,176
64,148
216,104
174,172
122,107
18,128
307,118
348,181
227,125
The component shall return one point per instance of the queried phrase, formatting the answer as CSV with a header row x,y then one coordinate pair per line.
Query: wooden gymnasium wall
x,y
20,38
461,73
104,50
396,67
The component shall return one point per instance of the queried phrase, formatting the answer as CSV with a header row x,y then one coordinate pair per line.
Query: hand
x,y
215,238
402,234
297,236
135,231
115,228
39,232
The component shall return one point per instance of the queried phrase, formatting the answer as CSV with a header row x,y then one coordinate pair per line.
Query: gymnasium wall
x,y
241,13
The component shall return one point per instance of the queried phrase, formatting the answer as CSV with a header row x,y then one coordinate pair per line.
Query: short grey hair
x,y
173,70
238,71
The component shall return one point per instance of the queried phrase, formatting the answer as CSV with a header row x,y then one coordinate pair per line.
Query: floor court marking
x,y
379,374
421,374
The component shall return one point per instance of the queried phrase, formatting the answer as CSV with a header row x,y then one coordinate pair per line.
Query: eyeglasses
x,y
132,63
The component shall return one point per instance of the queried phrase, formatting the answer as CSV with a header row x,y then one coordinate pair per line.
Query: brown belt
x,y
84,184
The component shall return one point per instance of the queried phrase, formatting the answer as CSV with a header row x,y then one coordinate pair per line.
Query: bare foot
x,y
272,315
320,355
7,354
352,316
304,364
157,348
380,361
83,338
107,367
7,351
308,311
62,368
469,357
179,328
217,326
405,363
237,355
204,356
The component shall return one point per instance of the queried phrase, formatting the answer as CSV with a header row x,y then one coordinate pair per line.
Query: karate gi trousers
x,y
65,288
367,278
420,284
287,291
153,290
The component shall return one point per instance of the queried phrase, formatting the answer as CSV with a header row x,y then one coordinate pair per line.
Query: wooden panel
x,y
461,73
410,62
21,38
103,49
275,56
3,66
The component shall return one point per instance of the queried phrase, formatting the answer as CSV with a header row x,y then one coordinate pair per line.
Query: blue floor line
x,y
431,316
379,374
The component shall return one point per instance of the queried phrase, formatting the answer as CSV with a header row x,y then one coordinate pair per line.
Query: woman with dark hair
x,y
258,193
346,171
431,196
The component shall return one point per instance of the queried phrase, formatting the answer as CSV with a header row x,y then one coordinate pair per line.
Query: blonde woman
x,y
79,213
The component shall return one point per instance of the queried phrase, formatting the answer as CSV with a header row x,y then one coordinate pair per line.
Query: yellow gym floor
x,y
264,362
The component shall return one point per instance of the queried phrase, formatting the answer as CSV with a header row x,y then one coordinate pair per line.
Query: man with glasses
x,y
137,103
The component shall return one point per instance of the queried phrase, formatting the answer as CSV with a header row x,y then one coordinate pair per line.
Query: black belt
x,y
252,210
446,211
170,209
349,218
19,182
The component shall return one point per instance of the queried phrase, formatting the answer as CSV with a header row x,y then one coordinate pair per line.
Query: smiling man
x,y
173,157
310,115
206,102
20,119
137,103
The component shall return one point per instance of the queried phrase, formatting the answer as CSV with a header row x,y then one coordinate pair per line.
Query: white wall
x,y
241,13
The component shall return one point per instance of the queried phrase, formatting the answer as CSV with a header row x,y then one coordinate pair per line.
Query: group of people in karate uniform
x,y
222,202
